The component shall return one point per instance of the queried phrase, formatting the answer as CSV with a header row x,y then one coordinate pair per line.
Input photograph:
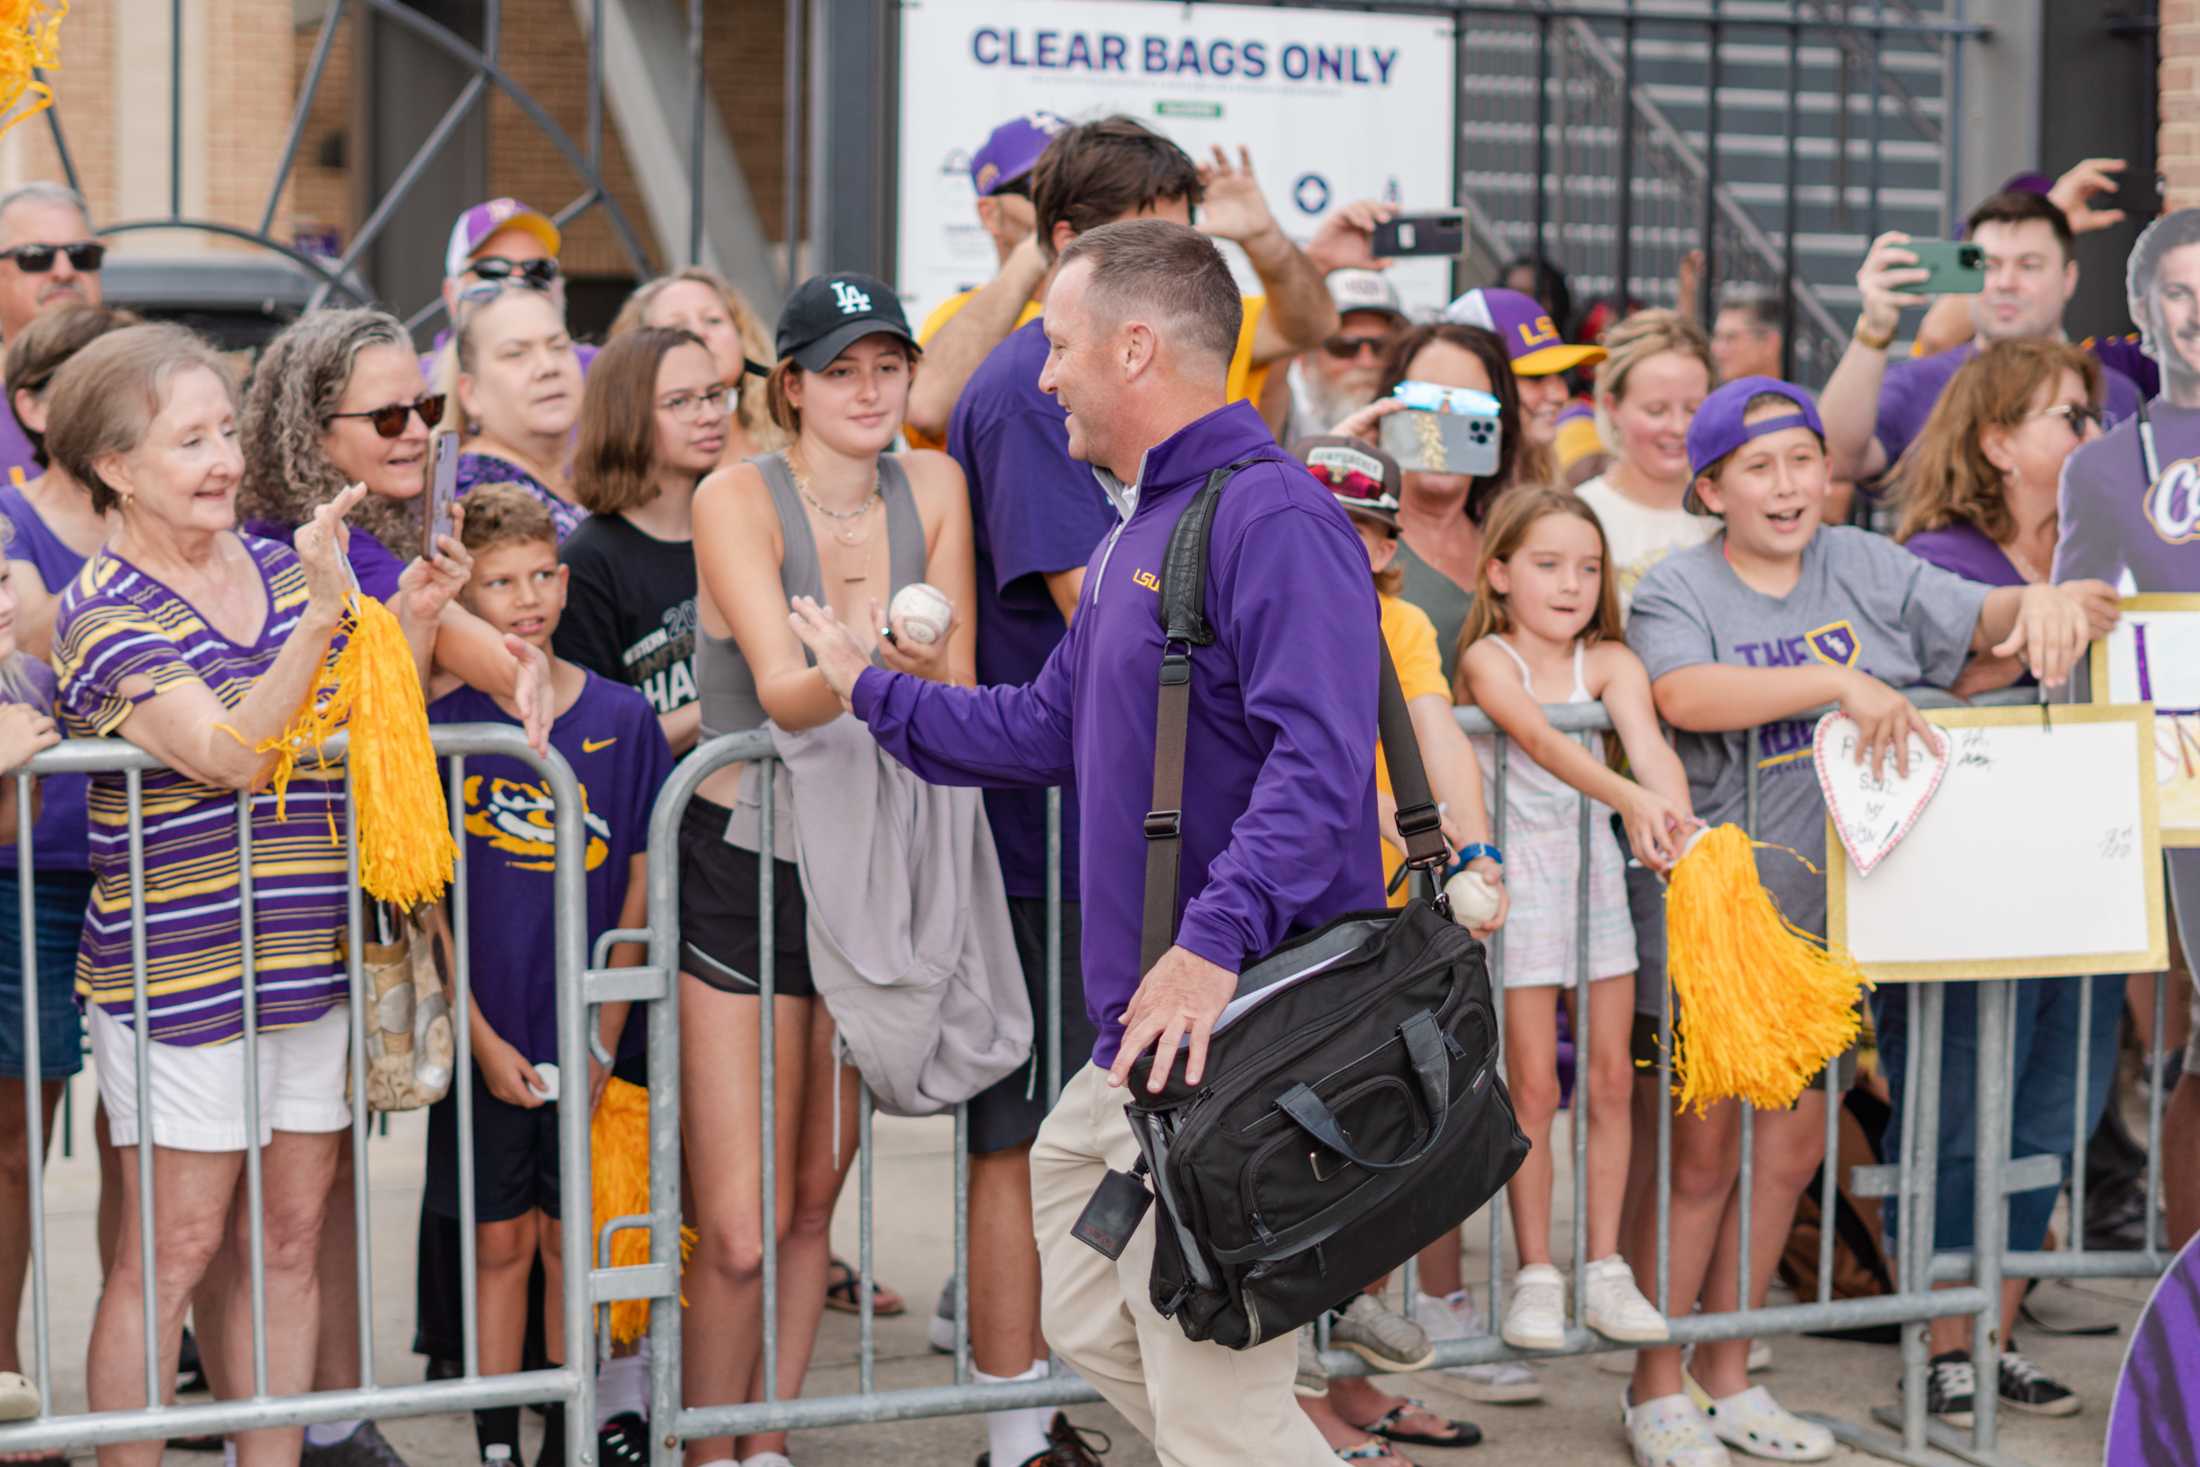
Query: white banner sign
x,y
1335,106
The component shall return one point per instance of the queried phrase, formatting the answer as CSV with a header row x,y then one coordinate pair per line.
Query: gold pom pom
x,y
619,1142
1760,1006
30,41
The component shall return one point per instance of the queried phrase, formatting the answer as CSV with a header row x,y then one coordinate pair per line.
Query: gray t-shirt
x,y
1863,601
1441,598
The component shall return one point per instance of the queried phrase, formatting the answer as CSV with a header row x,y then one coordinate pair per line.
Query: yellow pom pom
x,y
1760,1006
619,1142
30,41
373,686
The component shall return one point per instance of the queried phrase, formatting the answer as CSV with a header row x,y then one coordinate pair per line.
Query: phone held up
x,y
1441,232
1955,266
442,492
1444,430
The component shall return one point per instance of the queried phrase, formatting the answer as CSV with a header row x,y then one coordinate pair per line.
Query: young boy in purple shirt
x,y
610,736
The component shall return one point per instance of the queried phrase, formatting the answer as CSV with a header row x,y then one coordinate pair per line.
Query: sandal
x,y
842,1298
1390,1427
1755,1423
1371,1450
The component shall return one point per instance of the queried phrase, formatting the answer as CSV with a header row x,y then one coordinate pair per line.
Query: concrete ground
x,y
1577,1422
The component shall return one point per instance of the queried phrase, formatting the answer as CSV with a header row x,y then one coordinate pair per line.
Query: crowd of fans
x,y
1662,529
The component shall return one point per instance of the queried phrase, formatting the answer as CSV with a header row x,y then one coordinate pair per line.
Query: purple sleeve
x,y
1906,398
1043,511
1299,613
375,566
1963,551
996,737
2119,394
2089,544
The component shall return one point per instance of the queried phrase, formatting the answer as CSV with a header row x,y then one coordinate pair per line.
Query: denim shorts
x,y
58,917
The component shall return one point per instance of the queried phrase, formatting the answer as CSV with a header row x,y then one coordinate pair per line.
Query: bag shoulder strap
x,y
1184,626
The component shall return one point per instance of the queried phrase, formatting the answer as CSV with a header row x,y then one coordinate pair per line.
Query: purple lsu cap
x,y
1717,429
1532,342
1010,150
476,225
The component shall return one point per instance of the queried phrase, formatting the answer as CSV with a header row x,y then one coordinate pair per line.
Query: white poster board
x,y
1335,105
2153,656
2038,857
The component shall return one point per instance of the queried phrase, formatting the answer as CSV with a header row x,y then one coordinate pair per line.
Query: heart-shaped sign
x,y
1872,813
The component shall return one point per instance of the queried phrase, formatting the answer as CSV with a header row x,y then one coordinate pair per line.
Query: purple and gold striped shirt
x,y
116,623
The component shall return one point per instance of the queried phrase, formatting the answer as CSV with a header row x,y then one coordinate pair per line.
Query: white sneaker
x,y
1499,1383
1615,1308
1671,1432
1536,1317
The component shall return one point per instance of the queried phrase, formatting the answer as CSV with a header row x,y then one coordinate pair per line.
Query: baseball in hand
x,y
1474,899
919,614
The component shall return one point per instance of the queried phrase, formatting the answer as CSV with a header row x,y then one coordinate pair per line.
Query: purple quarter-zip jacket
x,y
1279,784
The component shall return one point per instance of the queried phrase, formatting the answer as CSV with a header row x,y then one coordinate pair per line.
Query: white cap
x,y
1363,290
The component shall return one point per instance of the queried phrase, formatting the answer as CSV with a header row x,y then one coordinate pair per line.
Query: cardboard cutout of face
x,y
2162,279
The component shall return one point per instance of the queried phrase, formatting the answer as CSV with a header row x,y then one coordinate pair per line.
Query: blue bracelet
x,y
1474,852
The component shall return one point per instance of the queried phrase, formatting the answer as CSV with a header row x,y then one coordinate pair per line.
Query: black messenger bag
x,y
1351,1111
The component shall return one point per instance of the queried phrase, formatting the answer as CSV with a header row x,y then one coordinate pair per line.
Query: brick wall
x,y
2179,144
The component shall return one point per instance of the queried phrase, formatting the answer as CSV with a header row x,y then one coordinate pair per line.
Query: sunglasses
x,y
36,259
1345,348
389,420
2076,415
534,274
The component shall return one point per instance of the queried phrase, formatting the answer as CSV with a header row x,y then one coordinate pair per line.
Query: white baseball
x,y
549,1076
920,613
1474,899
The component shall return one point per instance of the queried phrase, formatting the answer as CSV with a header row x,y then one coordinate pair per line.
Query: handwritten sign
x,y
2040,855
1871,813
2153,656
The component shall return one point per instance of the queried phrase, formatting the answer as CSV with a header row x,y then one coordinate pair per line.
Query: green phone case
x,y
1958,266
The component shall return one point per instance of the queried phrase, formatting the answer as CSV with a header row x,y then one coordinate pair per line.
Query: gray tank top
x,y
726,687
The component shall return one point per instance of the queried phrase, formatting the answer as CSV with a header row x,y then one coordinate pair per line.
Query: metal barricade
x,y
1910,1178
571,1383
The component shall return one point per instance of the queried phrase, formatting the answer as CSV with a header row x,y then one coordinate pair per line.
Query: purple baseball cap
x,y
476,225
1717,429
1012,150
1532,341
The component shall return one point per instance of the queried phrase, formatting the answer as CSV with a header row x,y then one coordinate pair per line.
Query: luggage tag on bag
x,y
1118,1205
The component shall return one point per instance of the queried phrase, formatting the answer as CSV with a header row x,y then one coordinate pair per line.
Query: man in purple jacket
x,y
1279,814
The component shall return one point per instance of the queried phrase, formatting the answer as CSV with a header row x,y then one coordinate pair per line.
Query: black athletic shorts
x,y
1008,1112
719,924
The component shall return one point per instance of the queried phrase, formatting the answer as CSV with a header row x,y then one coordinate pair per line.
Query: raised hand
x,y
1232,206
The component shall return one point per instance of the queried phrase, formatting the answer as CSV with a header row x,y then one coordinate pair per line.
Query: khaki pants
x,y
1199,1404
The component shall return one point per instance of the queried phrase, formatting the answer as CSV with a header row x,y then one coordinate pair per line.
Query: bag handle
x,y
1184,626
1431,1066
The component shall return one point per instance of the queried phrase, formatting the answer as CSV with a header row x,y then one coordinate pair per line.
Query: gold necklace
x,y
848,526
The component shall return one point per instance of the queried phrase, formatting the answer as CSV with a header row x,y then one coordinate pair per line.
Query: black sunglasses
x,y
1345,348
534,274
389,420
85,256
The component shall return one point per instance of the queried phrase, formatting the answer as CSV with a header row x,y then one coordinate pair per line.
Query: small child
x,y
1545,629
610,736
1774,617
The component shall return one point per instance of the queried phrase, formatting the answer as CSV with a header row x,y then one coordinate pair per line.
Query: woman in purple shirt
x,y
1976,492
515,377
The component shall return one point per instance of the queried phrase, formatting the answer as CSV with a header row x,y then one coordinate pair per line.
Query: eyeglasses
x,y
1345,348
533,274
711,401
36,259
2077,415
389,419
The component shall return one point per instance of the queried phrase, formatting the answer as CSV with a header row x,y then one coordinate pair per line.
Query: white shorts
x,y
199,1090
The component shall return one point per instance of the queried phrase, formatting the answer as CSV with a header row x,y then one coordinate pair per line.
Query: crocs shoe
x,y
1536,1317
18,1397
1615,1308
1498,1383
1755,1423
1671,1432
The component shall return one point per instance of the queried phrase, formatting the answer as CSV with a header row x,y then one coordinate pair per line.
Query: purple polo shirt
x,y
59,841
1911,388
15,446
1034,511
1968,551
1279,794
2112,519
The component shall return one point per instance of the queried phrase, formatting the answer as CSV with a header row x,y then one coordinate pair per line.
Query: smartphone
x,y
1443,232
1958,266
442,493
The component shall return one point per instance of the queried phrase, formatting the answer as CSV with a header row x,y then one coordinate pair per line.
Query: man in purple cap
x,y
1873,411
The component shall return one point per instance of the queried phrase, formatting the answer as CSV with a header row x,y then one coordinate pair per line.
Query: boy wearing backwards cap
x,y
1773,617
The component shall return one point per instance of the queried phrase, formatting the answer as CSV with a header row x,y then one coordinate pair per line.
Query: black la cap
x,y
827,313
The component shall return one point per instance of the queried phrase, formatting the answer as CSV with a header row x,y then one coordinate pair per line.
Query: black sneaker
x,y
2025,1387
1950,1388
624,1441
190,1373
365,1447
1068,1445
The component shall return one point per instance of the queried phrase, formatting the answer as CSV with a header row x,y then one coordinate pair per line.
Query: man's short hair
x,y
1169,271
1098,172
1759,304
2015,206
2170,232
42,191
